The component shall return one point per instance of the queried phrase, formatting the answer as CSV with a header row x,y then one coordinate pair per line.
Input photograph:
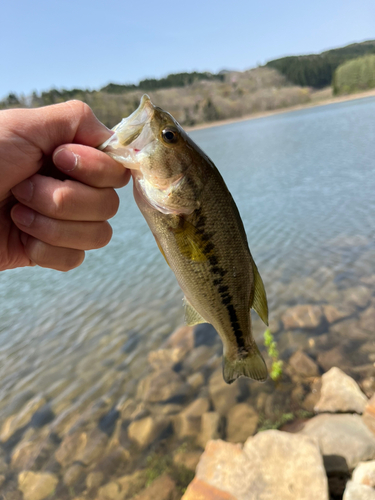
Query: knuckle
x,y
60,203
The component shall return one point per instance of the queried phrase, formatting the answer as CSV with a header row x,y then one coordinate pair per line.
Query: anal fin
x,y
192,317
259,304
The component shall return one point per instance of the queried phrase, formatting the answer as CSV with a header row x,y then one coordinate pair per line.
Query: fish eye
x,y
169,135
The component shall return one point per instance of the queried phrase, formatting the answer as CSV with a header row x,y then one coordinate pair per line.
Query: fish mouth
x,y
132,135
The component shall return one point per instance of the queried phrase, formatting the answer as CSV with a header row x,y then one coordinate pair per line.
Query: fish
x,y
198,229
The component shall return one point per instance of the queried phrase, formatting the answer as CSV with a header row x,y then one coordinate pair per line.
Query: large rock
x,y
188,422
36,485
340,393
146,430
163,386
199,490
364,473
302,316
344,440
271,465
223,396
242,421
354,491
369,414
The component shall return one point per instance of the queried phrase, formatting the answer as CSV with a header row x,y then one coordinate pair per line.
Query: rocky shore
x,y
180,431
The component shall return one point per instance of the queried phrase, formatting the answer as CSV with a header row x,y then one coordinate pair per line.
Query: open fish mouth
x,y
132,135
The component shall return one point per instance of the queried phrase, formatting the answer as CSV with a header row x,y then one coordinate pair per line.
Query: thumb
x,y
27,136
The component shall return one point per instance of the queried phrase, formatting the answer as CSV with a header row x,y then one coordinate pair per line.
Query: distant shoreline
x,y
263,114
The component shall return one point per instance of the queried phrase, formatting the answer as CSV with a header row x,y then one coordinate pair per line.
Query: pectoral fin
x,y
161,250
192,317
260,299
189,241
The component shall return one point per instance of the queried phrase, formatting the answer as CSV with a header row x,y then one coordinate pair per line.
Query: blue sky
x,y
87,44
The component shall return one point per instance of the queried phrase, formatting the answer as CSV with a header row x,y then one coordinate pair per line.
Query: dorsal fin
x,y
260,299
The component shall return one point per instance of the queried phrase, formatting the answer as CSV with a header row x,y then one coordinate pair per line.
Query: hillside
x,y
317,70
196,98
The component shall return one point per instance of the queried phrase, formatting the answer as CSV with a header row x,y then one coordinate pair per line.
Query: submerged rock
x,y
210,427
340,393
146,430
303,366
223,396
36,485
188,459
162,386
302,316
22,418
242,421
188,422
344,440
163,488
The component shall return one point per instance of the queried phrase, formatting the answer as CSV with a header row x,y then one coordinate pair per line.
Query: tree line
x,y
317,70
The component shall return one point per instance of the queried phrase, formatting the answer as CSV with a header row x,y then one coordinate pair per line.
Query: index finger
x,y
90,166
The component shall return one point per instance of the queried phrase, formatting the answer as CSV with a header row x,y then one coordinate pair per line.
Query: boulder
x,y
344,440
199,490
242,422
36,485
369,414
340,393
210,427
302,316
302,365
364,473
145,431
223,396
73,474
272,464
188,422
354,491
163,386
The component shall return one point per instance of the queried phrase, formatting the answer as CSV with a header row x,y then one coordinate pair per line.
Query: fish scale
x,y
198,229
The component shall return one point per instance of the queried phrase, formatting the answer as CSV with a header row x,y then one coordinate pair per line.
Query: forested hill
x,y
316,70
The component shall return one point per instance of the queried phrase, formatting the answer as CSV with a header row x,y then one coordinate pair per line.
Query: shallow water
x,y
304,183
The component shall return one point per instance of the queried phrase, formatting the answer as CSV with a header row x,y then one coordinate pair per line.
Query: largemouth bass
x,y
198,229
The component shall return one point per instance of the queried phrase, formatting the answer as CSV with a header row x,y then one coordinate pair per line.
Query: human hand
x,y
49,216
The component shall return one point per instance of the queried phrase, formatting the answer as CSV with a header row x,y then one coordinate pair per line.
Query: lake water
x,y
304,183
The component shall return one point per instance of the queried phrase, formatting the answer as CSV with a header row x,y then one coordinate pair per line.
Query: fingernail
x,y
65,160
24,190
23,215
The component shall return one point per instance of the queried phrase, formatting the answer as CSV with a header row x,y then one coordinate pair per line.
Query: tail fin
x,y
252,366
